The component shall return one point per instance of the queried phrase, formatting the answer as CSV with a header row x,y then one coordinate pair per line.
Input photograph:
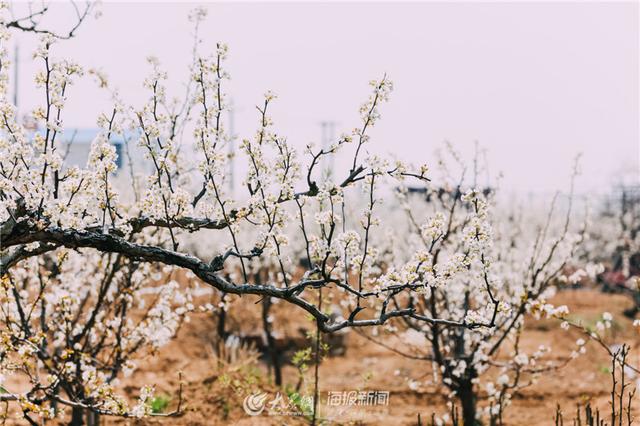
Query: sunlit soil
x,y
214,391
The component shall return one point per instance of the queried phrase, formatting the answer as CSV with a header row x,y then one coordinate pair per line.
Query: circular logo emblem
x,y
253,404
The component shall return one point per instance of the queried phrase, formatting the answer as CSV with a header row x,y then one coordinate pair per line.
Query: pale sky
x,y
534,83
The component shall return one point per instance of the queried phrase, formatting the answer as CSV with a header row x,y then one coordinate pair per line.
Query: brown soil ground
x,y
214,390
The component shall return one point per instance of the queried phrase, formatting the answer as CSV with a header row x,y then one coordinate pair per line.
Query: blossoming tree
x,y
89,270
478,265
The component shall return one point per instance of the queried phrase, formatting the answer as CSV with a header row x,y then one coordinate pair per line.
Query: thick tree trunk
x,y
271,343
272,351
77,417
468,401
